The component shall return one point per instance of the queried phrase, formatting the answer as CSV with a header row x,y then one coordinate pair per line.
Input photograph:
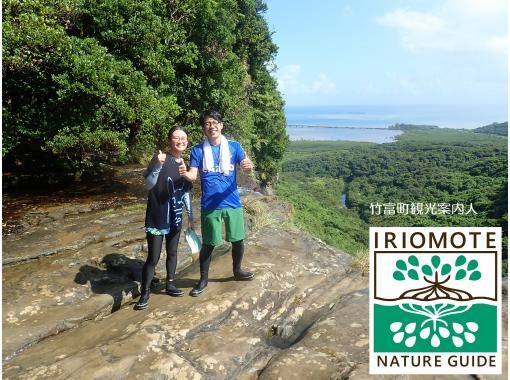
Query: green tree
x,y
254,44
89,83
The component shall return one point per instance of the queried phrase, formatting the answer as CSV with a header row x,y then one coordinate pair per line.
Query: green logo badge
x,y
435,301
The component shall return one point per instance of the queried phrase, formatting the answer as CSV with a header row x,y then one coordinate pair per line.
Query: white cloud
x,y
412,21
369,88
323,85
458,25
406,84
346,11
497,44
480,7
290,82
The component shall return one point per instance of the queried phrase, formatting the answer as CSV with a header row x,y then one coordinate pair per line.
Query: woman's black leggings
x,y
154,244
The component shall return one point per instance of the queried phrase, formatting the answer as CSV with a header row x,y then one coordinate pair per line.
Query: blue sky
x,y
390,51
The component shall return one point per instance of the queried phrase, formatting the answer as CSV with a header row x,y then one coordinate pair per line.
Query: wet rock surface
x,y
69,281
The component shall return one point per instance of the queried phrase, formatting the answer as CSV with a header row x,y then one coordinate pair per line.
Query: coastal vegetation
x,y
87,84
428,177
494,128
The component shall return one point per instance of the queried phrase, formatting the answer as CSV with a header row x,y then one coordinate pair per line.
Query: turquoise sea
x,y
370,122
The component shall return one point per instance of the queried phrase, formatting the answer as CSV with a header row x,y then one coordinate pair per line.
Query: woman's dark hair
x,y
176,128
212,114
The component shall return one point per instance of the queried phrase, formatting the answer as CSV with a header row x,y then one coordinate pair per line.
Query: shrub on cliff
x,y
113,77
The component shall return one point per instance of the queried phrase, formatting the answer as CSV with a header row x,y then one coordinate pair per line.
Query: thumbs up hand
x,y
182,166
161,157
247,165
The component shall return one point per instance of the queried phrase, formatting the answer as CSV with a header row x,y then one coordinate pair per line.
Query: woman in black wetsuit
x,y
169,192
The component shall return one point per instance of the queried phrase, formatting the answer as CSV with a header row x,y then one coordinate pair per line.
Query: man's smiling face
x,y
212,128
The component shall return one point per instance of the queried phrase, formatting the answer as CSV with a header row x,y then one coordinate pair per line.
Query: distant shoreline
x,y
378,135
333,127
390,134
383,116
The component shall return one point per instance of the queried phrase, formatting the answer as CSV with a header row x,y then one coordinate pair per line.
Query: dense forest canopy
x,y
88,83
446,171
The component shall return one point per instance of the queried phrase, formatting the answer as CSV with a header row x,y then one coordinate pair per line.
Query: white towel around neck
x,y
208,163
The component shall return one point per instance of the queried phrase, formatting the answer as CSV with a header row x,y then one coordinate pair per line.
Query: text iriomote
x,y
433,240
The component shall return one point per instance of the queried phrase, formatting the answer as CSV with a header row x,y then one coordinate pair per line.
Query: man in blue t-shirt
x,y
216,158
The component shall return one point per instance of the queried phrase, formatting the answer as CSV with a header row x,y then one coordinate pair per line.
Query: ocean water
x,y
370,122
375,135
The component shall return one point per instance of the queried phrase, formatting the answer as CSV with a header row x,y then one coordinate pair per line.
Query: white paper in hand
x,y
193,240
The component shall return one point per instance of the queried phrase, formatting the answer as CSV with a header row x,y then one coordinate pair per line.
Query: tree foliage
x,y
494,128
425,166
87,83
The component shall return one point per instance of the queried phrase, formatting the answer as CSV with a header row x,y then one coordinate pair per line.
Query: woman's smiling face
x,y
178,141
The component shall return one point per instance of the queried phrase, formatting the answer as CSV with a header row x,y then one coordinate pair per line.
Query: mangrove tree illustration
x,y
435,275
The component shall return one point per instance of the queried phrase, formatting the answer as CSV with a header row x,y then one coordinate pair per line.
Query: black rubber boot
x,y
199,287
244,275
205,262
172,290
143,301
237,258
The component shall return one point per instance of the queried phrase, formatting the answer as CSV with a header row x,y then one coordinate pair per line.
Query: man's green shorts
x,y
211,225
